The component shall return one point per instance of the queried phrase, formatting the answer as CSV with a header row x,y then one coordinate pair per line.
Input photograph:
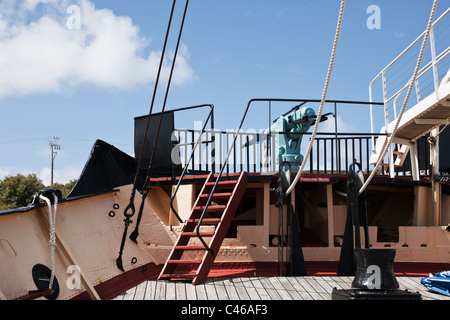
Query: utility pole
x,y
54,146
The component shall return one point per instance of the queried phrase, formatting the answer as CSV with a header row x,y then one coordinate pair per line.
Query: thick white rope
x,y
411,84
52,242
324,95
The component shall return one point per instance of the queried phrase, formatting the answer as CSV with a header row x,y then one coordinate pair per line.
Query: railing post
x,y
417,91
371,117
386,121
386,111
433,61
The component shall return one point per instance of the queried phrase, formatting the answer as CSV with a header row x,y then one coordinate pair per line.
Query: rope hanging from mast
x,y
130,210
135,233
52,233
324,95
408,94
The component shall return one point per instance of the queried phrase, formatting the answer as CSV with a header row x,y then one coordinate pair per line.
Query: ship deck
x,y
259,288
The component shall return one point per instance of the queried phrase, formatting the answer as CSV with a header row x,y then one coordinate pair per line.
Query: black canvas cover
x,y
106,169
162,164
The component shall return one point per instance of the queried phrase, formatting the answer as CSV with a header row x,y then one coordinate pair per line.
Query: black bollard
x,y
375,269
374,276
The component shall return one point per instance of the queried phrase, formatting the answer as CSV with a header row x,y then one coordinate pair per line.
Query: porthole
x,y
41,277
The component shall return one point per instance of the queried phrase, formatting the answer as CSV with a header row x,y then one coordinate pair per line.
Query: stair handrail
x,y
208,202
188,162
424,69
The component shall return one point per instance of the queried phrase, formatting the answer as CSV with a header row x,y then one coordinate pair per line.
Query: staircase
x,y
432,93
399,155
226,195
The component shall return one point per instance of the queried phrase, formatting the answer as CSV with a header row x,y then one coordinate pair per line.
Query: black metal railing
x,y
330,155
236,151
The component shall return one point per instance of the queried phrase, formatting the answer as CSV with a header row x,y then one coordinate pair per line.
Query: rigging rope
x,y
135,233
130,209
324,94
130,206
52,242
411,84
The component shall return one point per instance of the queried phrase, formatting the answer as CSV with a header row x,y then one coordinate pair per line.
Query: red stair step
x,y
229,184
189,248
387,165
211,208
205,221
224,195
178,276
194,234
184,261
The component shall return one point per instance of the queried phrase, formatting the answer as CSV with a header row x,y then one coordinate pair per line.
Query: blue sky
x,y
89,83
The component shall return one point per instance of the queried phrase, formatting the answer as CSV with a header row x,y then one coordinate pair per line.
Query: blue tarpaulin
x,y
439,282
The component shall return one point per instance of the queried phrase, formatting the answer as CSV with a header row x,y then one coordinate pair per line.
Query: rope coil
x,y
52,232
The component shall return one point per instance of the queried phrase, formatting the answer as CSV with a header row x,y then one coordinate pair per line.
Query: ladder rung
x,y
205,221
178,276
194,234
211,208
190,248
224,195
185,261
230,183
387,165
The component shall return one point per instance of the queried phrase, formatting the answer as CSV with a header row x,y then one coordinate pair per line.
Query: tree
x,y
17,191
64,188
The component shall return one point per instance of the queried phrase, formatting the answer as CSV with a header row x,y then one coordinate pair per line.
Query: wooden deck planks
x,y
259,288
242,291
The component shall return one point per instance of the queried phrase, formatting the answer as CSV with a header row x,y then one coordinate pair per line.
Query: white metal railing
x,y
396,76
438,64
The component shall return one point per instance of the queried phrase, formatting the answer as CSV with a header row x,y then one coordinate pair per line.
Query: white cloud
x,y
329,125
4,172
60,175
31,4
64,175
40,54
